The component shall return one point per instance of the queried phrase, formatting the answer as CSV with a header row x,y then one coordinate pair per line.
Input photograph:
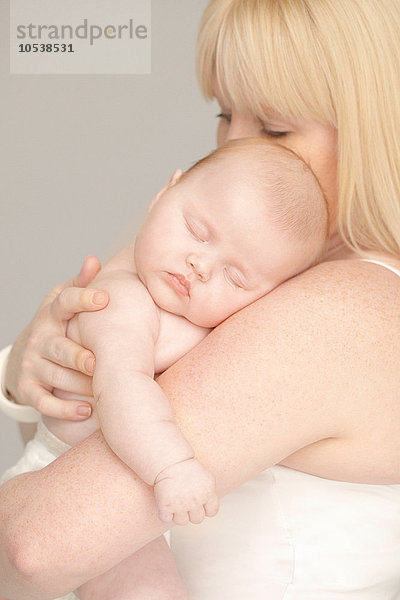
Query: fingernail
x,y
89,365
99,298
84,411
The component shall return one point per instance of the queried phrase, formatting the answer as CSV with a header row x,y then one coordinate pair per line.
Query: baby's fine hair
x,y
294,201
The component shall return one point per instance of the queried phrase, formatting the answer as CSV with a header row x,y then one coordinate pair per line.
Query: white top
x,y
18,412
288,535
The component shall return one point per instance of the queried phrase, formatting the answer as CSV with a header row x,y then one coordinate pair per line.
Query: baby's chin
x,y
196,317
207,322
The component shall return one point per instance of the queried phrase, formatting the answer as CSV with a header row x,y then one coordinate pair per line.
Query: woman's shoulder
x,y
348,289
332,334
341,318
310,361
352,308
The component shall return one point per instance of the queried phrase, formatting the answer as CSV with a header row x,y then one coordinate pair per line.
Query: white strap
x,y
18,412
378,262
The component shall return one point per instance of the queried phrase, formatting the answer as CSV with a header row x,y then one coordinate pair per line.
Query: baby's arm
x,y
134,414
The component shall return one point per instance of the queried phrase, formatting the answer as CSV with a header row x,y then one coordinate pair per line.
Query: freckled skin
x,y
225,411
213,391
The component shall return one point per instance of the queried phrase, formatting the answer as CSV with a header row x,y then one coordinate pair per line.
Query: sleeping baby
x,y
237,224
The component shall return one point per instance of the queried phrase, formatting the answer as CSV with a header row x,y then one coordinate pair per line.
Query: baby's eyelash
x,y
193,232
232,280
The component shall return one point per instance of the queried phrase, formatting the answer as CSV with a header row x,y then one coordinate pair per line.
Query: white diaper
x,y
39,452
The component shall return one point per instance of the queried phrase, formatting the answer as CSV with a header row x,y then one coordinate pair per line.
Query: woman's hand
x,y
42,358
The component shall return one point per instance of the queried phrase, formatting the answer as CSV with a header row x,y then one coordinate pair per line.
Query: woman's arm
x,y
273,378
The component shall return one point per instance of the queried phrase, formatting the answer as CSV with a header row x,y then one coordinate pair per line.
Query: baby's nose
x,y
199,266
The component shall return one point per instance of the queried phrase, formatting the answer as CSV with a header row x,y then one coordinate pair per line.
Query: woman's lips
x,y
180,284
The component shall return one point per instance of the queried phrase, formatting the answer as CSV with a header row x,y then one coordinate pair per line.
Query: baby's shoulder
x,y
125,289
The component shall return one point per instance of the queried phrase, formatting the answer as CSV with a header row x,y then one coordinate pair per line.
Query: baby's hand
x,y
186,492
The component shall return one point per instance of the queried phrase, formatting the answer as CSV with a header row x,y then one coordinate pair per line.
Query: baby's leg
x,y
149,574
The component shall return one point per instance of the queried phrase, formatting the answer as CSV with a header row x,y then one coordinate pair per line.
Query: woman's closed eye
x,y
273,130
225,116
274,134
267,130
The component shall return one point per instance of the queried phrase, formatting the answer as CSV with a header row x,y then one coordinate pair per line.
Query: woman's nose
x,y
200,266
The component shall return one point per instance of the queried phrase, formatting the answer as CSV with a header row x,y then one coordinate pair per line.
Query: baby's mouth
x,y
180,284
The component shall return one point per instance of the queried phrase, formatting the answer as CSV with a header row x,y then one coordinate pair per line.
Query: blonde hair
x,y
294,202
333,61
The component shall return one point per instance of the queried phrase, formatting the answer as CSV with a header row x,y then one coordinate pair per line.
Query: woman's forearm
x,y
87,510
69,506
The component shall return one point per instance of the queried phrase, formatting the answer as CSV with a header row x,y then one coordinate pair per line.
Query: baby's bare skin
x,y
183,490
146,437
207,249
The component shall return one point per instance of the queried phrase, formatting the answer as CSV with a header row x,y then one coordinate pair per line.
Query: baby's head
x,y
242,220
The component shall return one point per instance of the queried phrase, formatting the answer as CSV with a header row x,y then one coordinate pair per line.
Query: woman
x,y
303,430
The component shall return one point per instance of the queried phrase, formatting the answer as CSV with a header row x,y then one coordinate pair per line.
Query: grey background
x,y
81,157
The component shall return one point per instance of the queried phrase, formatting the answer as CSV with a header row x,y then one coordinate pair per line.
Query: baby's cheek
x,y
219,310
239,300
203,313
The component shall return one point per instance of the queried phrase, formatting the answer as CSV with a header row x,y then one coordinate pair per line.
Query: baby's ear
x,y
175,177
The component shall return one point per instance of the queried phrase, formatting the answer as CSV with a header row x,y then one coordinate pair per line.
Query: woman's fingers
x,y
31,391
66,353
42,358
73,300
89,270
49,405
91,266
64,379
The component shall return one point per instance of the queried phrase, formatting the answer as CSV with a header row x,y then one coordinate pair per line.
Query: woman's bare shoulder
x,y
351,291
341,316
352,311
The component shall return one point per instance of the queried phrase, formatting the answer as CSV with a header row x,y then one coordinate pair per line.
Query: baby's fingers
x,y
212,506
181,518
197,515
165,516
